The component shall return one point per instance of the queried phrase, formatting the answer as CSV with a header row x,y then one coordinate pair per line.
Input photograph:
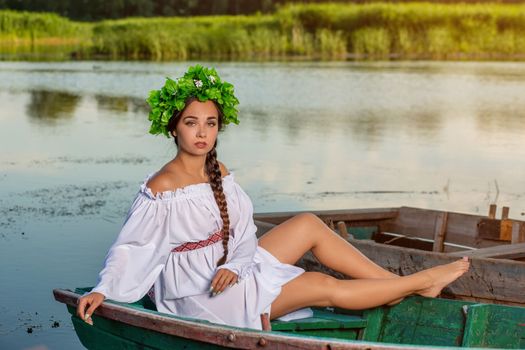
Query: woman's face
x,y
197,128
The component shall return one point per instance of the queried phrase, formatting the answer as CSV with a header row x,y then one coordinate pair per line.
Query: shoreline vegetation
x,y
483,31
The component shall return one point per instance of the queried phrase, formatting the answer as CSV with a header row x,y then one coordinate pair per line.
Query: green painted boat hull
x,y
414,323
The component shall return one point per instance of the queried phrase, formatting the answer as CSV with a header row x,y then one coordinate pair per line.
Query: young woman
x,y
190,234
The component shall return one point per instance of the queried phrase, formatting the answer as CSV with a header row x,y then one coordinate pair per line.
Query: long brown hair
x,y
213,171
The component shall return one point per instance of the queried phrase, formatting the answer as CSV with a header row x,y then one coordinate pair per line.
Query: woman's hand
x,y
223,278
93,300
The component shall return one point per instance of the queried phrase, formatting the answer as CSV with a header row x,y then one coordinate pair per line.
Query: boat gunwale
x,y
362,214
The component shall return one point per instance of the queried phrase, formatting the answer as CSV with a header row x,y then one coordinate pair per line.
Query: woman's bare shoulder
x,y
224,170
160,182
166,179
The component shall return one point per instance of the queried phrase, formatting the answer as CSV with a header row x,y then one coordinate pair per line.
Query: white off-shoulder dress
x,y
142,257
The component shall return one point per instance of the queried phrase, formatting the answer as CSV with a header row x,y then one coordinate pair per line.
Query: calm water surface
x,y
74,149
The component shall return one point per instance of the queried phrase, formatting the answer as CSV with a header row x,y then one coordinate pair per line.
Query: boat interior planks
x,y
424,229
458,229
492,277
492,326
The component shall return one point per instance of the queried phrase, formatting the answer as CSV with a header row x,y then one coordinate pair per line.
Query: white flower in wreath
x,y
197,83
212,79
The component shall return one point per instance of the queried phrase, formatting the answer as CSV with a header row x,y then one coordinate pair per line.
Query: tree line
x,y
93,10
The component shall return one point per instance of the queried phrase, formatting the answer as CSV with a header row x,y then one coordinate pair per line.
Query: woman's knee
x,y
326,286
307,220
313,225
331,289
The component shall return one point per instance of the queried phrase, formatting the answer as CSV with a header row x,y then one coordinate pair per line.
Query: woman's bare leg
x,y
289,241
317,289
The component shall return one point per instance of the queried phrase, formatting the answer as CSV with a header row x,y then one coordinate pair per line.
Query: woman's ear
x,y
173,133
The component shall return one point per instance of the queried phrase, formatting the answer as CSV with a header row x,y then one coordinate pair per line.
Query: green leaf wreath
x,y
200,82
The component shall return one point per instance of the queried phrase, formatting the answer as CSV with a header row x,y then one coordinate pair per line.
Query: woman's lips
x,y
200,144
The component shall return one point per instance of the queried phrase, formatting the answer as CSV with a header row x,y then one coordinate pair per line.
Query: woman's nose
x,y
201,132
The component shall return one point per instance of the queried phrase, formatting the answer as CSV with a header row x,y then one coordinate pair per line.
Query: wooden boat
x,y
424,238
415,323
405,240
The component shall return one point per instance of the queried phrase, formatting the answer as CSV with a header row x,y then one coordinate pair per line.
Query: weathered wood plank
x,y
492,211
494,326
509,251
518,232
505,231
342,230
440,230
416,321
461,228
416,242
489,229
347,215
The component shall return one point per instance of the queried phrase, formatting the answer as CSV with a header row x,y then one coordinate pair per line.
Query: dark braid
x,y
214,175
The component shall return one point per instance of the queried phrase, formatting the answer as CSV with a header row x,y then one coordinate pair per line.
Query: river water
x,y
313,135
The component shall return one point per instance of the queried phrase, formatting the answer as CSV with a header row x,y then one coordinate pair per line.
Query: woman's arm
x,y
135,259
243,241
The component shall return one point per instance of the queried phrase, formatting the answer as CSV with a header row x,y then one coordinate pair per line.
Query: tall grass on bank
x,y
331,31
28,32
258,36
420,30
374,30
29,25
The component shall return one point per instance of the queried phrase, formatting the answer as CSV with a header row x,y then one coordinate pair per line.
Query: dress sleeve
x,y
243,242
139,253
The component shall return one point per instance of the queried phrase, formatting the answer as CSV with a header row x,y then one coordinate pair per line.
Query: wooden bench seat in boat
x,y
325,324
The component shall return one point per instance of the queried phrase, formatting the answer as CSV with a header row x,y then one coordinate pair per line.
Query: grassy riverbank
x,y
41,34
420,30
326,31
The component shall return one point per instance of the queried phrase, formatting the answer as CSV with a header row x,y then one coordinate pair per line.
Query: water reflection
x,y
121,104
368,126
508,119
50,106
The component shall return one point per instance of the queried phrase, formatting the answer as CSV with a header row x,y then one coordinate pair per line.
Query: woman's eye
x,y
212,124
190,123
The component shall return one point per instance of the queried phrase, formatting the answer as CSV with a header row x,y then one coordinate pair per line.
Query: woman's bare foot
x,y
440,276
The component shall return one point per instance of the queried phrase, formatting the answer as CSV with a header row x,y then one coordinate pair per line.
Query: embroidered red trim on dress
x,y
214,238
